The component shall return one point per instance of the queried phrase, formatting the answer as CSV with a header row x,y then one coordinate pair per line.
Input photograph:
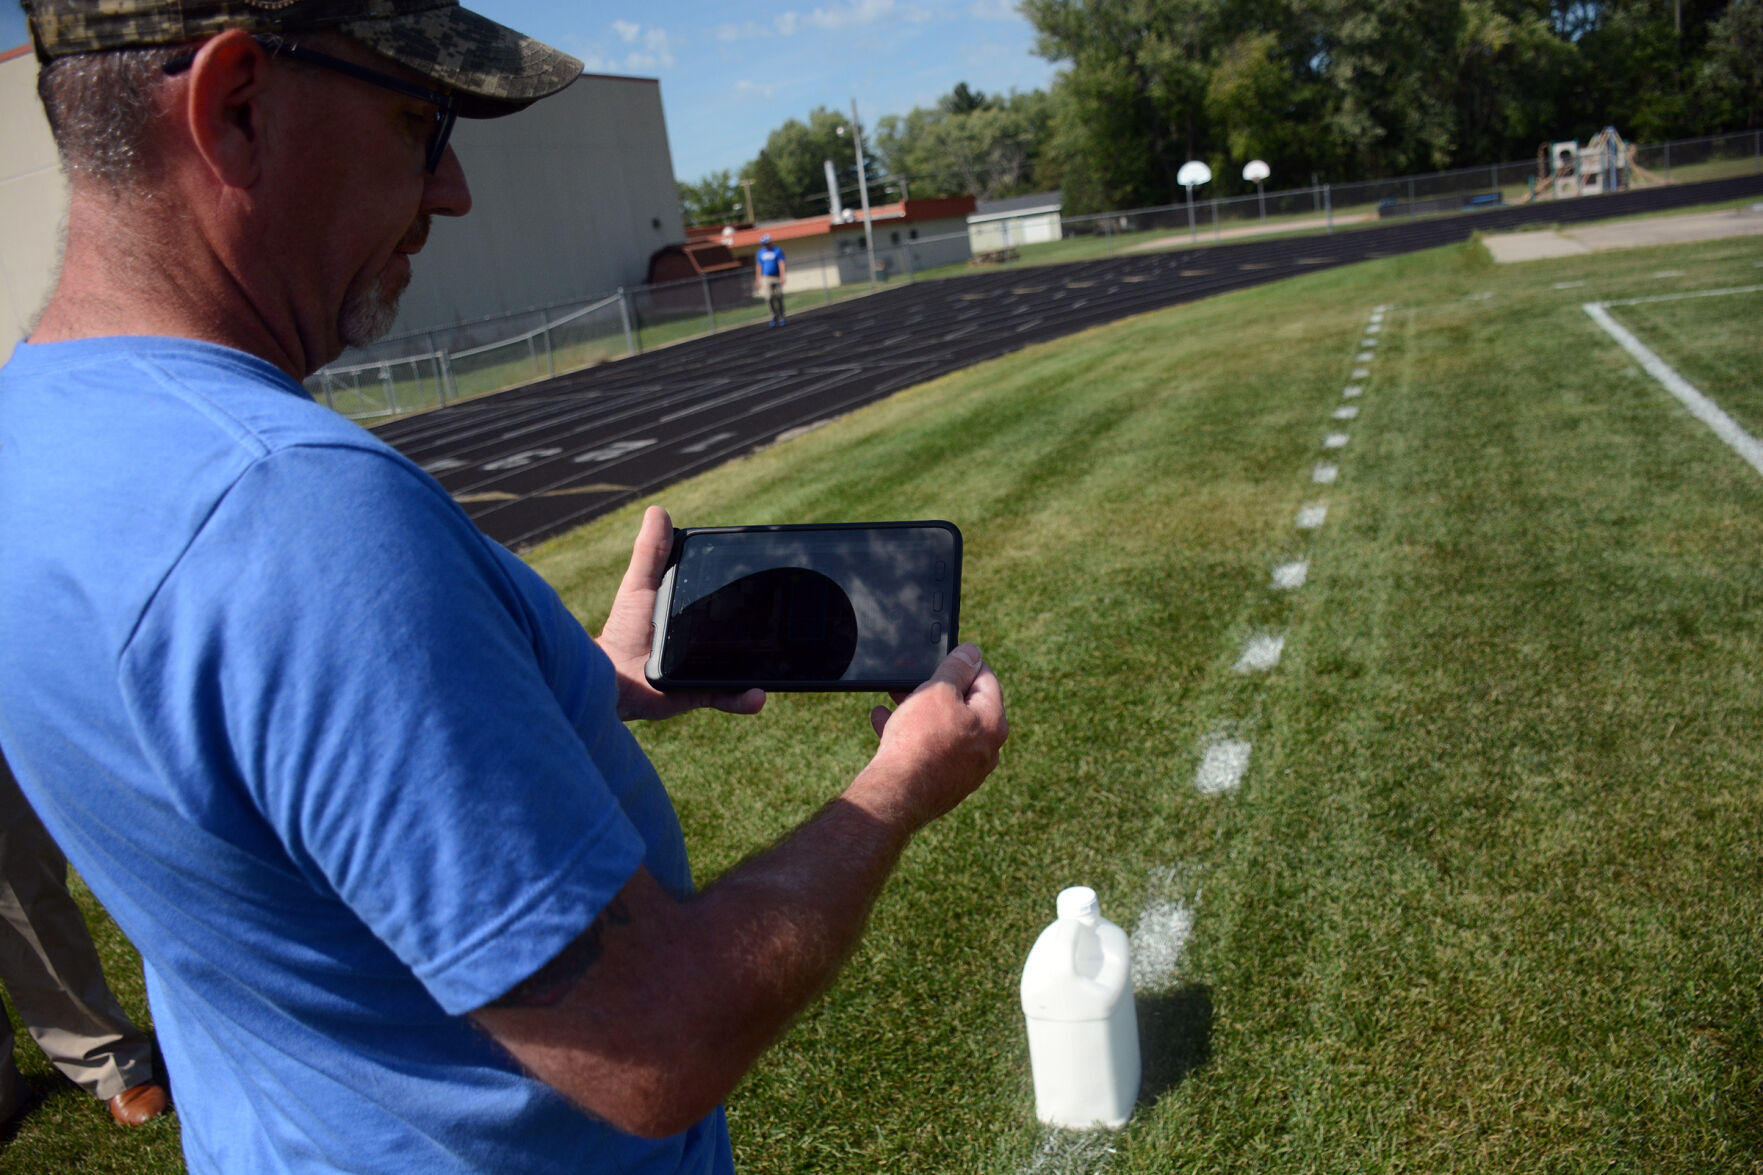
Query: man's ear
x,y
224,110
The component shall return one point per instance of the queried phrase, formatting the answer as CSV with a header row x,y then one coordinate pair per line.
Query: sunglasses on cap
x,y
446,104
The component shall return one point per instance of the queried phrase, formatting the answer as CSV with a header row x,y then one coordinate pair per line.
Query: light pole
x,y
747,185
862,190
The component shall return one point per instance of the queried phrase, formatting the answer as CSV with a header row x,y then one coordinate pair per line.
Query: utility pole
x,y
863,191
747,185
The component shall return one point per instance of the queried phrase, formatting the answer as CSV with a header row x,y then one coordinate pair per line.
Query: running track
x,y
531,463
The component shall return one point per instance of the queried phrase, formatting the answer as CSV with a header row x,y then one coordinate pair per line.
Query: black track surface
x,y
534,462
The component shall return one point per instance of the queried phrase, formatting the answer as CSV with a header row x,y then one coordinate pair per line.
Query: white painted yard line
x,y
1568,285
1312,515
1335,440
1365,356
1700,406
1346,412
1159,944
1290,576
1352,390
1361,373
1261,653
1680,297
1374,327
1071,1152
1323,473
1222,766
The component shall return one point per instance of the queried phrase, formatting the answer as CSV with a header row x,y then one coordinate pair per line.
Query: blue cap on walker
x,y
765,238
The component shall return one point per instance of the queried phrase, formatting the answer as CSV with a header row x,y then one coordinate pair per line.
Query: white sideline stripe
x,y
1261,653
1364,357
1159,943
1222,766
1310,517
1361,372
1373,327
1288,576
1335,440
1680,297
1352,390
1322,473
1346,412
1568,285
1700,406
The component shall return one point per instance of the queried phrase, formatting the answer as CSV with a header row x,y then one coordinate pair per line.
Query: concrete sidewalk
x,y
1630,234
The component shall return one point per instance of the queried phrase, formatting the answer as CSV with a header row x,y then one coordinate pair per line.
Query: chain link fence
x,y
427,369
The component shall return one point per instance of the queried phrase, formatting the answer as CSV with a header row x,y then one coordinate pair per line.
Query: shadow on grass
x,y
1175,1037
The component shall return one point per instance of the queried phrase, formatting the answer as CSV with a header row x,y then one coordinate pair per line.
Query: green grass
x,y
1712,342
1488,899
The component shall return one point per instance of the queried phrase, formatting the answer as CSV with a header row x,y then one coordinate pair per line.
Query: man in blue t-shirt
x,y
408,895
770,263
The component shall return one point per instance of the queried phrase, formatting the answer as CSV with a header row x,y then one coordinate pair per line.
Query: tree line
x,y
1336,89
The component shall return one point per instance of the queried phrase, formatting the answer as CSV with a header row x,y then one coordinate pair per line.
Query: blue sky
x,y
731,76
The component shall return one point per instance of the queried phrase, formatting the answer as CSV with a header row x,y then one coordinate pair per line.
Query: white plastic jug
x,y
1083,1039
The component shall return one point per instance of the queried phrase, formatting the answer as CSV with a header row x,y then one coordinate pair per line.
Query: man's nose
x,y
446,193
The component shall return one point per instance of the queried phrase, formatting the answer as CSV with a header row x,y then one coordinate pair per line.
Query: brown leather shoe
x,y
138,1104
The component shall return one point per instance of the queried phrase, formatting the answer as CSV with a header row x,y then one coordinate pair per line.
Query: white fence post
x,y
1328,207
624,316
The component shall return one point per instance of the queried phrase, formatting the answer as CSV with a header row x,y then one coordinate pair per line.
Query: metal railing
x,y
431,368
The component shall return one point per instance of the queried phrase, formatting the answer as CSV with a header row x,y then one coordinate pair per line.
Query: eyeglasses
x,y
446,105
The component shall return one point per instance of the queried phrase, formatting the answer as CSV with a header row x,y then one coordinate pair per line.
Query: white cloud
x,y
785,23
627,32
994,10
656,53
855,12
747,89
747,30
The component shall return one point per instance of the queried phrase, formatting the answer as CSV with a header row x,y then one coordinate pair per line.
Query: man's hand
x,y
938,746
629,633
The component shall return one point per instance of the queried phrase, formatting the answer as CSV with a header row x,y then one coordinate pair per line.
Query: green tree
x,y
968,144
771,199
715,199
1731,77
799,151
1130,108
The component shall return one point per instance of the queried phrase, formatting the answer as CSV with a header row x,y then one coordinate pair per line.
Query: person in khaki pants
x,y
52,976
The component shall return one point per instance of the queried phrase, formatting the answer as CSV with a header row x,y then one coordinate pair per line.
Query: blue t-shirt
x,y
342,768
770,257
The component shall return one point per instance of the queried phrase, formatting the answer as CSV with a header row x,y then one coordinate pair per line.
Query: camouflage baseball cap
x,y
495,69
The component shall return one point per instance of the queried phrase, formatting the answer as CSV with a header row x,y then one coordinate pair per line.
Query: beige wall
x,y
33,202
570,197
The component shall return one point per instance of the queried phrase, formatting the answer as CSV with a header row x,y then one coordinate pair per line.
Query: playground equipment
x,y
1605,164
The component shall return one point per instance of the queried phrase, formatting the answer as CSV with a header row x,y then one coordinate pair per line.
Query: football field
x,y
1383,646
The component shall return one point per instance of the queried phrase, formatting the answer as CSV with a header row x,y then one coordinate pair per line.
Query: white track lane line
x,y
1700,406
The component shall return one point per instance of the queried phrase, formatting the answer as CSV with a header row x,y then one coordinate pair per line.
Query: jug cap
x,y
1079,901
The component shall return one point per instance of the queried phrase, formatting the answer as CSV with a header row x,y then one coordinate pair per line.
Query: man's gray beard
x,y
369,315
